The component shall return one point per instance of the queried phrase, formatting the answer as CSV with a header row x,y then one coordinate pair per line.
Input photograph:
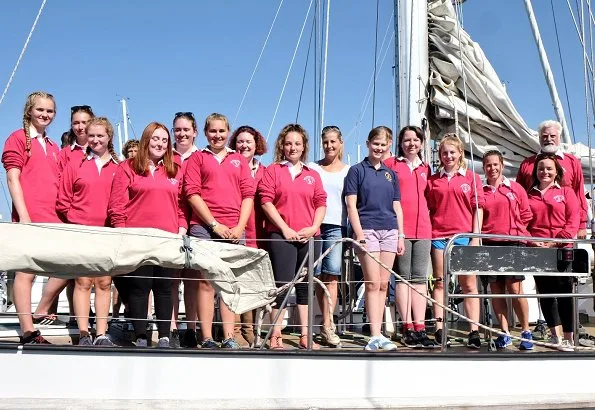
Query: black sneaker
x,y
189,339
35,338
424,341
410,339
474,340
438,338
174,339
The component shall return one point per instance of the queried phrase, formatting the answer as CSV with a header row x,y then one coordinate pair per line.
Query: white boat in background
x,y
448,85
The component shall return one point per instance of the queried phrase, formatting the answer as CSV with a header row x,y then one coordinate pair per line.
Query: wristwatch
x,y
213,224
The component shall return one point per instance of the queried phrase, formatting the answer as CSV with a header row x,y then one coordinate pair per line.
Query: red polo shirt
x,y
506,210
555,213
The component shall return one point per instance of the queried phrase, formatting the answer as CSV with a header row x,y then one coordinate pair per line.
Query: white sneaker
x,y
566,346
163,342
380,343
141,342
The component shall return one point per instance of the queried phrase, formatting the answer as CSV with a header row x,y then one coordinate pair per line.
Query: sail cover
x,y
242,275
494,123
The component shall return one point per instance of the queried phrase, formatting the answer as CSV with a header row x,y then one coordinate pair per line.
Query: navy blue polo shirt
x,y
376,189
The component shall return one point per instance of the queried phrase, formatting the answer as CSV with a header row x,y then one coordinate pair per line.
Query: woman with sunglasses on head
x,y
332,171
249,142
77,136
414,264
147,193
294,202
220,191
556,214
506,212
82,199
455,200
30,159
184,130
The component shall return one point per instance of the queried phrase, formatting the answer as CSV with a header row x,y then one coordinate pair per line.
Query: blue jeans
x,y
331,264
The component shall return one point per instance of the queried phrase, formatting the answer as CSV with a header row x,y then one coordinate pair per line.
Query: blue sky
x,y
198,56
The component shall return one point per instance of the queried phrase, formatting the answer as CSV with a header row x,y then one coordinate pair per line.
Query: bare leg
x,y
500,306
82,302
438,292
117,303
228,318
103,287
419,303
23,282
469,286
279,323
330,281
403,302
520,305
206,308
51,291
191,301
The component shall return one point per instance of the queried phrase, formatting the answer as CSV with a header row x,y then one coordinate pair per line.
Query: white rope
x,y
289,71
257,62
16,66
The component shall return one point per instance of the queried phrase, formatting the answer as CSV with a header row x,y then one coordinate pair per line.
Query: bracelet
x,y
401,236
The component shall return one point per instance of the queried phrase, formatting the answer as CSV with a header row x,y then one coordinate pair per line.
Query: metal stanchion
x,y
310,292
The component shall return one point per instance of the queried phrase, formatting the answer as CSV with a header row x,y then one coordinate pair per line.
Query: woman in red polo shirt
x,y
77,136
455,200
220,191
555,215
30,159
294,202
147,193
82,199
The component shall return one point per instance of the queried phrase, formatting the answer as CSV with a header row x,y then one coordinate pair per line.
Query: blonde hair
x,y
27,115
455,141
334,128
216,116
279,156
109,129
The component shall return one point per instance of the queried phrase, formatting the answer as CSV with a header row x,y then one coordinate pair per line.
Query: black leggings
x,y
556,311
286,258
137,295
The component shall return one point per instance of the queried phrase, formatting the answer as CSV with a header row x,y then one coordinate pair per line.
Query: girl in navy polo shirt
x,y
374,210
294,202
82,199
455,200
556,214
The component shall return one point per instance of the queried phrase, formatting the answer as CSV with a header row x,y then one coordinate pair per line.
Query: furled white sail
x,y
242,275
494,123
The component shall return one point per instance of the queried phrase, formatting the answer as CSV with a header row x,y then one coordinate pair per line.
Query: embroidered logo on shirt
x,y
235,162
511,196
465,188
173,181
559,198
309,179
388,176
424,176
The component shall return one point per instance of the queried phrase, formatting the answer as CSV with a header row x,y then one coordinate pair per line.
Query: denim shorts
x,y
331,264
440,244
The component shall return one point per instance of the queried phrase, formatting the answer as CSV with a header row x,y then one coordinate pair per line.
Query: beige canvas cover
x,y
243,276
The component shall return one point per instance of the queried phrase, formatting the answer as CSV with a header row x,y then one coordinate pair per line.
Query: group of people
x,y
396,210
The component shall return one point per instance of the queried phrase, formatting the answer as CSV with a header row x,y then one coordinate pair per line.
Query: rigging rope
x,y
16,66
289,71
324,62
563,71
257,62
297,115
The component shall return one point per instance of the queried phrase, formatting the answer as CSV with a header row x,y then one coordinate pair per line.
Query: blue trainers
x,y
209,344
502,342
526,345
230,344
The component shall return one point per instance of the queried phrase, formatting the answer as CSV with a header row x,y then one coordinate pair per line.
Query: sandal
x,y
276,343
303,344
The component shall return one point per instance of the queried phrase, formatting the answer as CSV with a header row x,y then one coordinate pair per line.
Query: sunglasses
x,y
76,108
184,114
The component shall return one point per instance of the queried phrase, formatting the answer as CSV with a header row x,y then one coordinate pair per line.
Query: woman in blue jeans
x,y
332,171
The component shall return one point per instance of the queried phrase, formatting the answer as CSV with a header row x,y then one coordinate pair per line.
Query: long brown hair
x,y
27,115
281,140
559,169
140,163
109,130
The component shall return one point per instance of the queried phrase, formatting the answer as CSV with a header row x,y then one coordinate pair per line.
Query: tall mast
x,y
547,71
125,118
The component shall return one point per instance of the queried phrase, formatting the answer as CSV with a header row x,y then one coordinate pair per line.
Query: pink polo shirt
x,y
555,213
151,200
452,203
222,185
296,199
75,153
85,190
39,174
413,182
506,210
255,226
